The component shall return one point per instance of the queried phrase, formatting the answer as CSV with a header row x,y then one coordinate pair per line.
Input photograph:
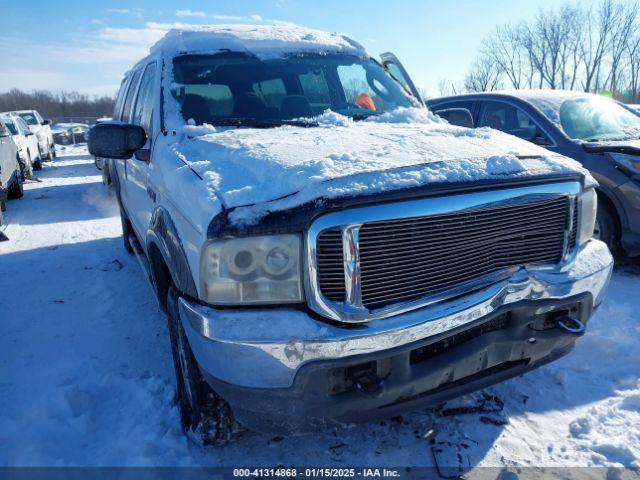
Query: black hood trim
x,y
298,219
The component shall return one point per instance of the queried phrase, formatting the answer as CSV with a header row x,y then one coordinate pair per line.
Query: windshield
x,y
598,119
30,118
237,89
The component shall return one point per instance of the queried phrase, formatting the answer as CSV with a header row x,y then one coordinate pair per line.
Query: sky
x,y
87,46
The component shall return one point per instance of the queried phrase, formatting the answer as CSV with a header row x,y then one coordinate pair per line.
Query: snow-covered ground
x,y
86,376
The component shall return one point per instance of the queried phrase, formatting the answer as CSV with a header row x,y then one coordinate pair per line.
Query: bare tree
x,y
485,75
633,57
505,48
625,25
60,104
597,41
568,47
445,87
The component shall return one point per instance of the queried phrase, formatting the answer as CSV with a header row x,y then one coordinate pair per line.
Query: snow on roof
x,y
262,40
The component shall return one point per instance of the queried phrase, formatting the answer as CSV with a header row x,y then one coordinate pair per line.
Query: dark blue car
x,y
594,130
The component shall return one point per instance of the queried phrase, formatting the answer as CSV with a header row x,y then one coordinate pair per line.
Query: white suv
x,y
326,249
10,173
26,141
41,128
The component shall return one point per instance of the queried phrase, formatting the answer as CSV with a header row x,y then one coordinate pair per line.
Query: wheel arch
x,y
617,210
167,260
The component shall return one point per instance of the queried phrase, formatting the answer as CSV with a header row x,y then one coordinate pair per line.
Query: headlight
x,y
629,163
587,205
252,270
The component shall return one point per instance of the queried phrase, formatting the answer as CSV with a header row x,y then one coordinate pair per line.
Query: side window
x,y
126,113
39,117
271,91
120,100
3,130
144,103
510,119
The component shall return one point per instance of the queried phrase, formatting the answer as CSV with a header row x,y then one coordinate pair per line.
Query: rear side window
x,y
508,118
3,129
144,103
271,91
315,88
120,100
200,102
126,113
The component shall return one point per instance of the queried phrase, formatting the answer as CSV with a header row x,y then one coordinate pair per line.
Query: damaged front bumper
x,y
285,370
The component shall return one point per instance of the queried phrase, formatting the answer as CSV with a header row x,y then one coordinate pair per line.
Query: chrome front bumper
x,y
266,348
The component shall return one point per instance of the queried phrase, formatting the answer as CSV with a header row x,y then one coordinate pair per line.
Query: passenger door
x,y
7,156
512,120
397,71
141,195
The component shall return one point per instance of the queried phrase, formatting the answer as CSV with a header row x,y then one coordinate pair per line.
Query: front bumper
x,y
281,363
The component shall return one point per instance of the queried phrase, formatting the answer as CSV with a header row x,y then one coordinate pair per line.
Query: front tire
x,y
15,190
47,157
205,415
607,228
28,170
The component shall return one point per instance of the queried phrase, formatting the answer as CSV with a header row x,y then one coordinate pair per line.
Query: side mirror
x,y
457,116
540,140
46,122
116,140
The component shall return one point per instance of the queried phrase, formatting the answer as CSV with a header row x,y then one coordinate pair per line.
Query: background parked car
x,y
42,130
594,130
10,184
25,141
70,133
103,163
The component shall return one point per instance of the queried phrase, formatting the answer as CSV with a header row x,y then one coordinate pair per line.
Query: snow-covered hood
x,y
256,171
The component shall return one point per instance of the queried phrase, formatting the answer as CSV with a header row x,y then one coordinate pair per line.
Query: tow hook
x,y
571,325
369,384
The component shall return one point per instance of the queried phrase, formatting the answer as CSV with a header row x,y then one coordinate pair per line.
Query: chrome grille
x,y
408,258
331,271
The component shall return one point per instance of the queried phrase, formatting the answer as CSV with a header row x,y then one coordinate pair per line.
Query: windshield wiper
x,y
260,122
